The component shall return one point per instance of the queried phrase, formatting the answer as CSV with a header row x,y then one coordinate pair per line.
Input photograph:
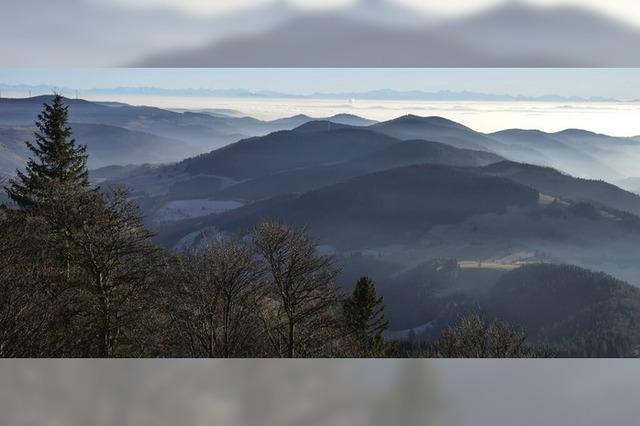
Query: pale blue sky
x,y
622,83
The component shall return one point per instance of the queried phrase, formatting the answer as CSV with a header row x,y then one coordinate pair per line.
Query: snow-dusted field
x,y
187,209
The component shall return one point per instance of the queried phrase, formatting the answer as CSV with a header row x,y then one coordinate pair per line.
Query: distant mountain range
x,y
380,94
569,151
121,134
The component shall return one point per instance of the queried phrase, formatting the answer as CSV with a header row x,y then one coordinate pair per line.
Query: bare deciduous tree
x,y
216,300
303,287
473,336
29,306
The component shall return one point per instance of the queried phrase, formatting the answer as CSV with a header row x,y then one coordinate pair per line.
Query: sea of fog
x,y
613,118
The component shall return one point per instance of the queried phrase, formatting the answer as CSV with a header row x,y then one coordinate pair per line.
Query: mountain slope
x,y
106,145
436,129
570,156
590,314
13,151
411,152
393,205
199,132
580,153
288,123
400,154
286,150
557,184
622,152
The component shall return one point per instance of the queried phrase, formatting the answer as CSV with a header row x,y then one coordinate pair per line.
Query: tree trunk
x,y
291,348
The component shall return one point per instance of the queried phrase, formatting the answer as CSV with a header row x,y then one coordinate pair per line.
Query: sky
x,y
619,83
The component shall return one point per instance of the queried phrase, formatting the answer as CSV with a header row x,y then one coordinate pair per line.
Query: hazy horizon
x,y
612,83
611,118
486,100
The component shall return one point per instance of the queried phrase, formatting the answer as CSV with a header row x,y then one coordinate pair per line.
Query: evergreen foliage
x,y
364,310
57,159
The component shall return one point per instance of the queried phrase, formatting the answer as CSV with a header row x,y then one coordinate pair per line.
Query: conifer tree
x,y
365,313
57,161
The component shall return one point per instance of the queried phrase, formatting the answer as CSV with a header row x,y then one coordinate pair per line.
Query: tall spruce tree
x,y
364,311
57,160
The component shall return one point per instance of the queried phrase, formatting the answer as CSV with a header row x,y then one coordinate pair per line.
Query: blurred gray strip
x,y
367,34
318,392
